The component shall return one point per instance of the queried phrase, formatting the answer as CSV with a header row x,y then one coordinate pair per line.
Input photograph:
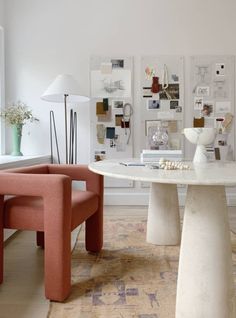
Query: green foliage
x,y
18,113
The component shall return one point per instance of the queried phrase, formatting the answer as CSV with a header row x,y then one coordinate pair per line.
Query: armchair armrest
x,y
94,182
55,191
39,169
32,184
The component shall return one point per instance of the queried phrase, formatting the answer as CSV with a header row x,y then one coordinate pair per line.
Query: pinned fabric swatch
x,y
106,117
118,119
110,133
101,130
172,126
100,109
105,104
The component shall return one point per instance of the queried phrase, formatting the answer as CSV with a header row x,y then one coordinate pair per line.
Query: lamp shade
x,y
64,84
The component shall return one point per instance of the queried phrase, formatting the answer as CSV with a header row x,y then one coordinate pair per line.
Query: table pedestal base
x,y
163,225
205,281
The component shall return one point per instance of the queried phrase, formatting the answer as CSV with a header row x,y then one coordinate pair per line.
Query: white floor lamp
x,y
64,89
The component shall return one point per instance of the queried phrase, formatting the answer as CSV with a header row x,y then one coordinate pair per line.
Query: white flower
x,y
18,113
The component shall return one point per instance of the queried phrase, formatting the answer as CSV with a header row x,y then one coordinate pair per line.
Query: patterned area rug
x,y
128,279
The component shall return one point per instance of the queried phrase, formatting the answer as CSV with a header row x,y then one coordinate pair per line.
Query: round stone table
x,y
205,280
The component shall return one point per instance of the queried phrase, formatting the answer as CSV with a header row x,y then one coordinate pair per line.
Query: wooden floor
x,y
22,293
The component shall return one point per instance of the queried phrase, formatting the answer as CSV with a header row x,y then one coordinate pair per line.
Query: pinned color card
x,y
105,104
110,133
99,109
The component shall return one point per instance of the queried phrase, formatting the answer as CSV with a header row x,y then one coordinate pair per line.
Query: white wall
x,y
46,38
2,76
2,12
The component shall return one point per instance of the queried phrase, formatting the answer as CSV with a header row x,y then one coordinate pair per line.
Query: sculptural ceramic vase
x,y
16,139
155,85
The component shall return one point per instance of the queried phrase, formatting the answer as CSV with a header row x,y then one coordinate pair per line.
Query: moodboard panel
x,y
111,87
164,106
212,97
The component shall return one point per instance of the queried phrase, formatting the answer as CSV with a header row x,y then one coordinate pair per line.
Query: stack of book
x,y
149,156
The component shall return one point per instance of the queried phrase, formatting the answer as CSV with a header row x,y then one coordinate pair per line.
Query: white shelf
x,y
7,161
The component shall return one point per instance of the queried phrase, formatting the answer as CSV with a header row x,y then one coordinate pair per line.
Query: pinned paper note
x,y
106,68
165,115
223,107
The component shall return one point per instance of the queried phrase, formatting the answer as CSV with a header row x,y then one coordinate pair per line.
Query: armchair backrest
x,y
38,169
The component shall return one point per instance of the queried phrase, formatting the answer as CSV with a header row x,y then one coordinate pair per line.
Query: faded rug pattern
x,y
128,279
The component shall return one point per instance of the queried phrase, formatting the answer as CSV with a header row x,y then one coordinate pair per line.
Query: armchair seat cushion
x,y
25,212
84,204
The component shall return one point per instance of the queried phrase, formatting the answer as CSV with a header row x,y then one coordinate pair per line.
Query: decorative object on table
x,y
155,85
158,138
64,89
172,165
17,115
201,137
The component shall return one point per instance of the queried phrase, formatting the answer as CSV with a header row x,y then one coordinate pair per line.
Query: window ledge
x,y
8,162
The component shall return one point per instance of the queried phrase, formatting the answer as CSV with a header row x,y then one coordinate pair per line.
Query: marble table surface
x,y
205,275
211,173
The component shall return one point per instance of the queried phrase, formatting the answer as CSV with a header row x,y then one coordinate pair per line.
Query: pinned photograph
x,y
203,91
115,85
147,92
223,107
174,104
153,104
175,77
171,92
99,155
178,109
117,104
207,109
117,63
198,103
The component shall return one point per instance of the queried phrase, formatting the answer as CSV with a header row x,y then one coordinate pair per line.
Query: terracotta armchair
x,y
45,202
